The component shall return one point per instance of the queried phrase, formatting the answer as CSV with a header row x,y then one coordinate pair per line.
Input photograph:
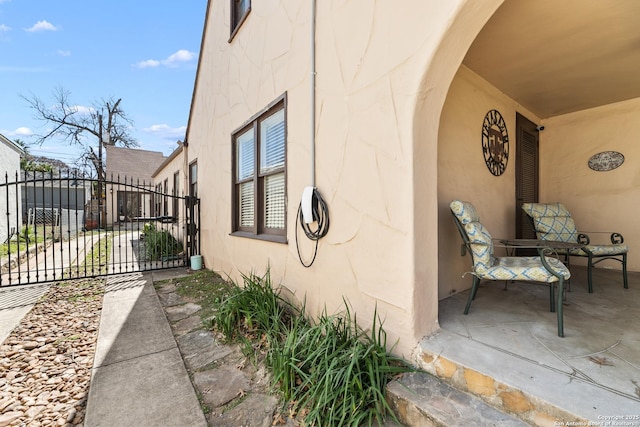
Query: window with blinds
x,y
259,168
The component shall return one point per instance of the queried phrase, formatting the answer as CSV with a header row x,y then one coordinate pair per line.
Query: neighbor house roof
x,y
132,163
168,160
9,143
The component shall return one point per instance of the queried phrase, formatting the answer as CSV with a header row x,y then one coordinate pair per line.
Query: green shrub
x,y
333,372
159,243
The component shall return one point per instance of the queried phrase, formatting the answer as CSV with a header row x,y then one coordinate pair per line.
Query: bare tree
x,y
106,121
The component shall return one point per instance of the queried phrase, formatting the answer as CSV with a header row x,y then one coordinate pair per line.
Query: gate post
x,y
193,226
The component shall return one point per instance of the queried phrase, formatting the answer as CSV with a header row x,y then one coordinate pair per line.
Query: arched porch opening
x,y
579,123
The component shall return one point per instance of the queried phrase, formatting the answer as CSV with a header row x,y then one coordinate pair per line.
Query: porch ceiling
x,y
555,57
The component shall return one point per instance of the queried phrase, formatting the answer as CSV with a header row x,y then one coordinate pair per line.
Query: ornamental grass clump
x,y
331,371
160,244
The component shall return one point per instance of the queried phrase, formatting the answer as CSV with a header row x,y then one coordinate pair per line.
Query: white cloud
x,y
180,56
23,131
81,109
174,60
42,26
84,110
149,63
167,132
4,28
77,109
64,52
18,132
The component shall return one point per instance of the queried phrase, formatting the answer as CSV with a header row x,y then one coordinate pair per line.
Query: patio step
x,y
420,399
504,397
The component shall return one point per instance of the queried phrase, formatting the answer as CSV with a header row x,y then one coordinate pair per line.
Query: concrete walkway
x,y
139,377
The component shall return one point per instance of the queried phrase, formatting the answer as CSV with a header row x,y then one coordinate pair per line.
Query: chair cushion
x,y
524,268
481,246
552,221
487,266
601,250
464,211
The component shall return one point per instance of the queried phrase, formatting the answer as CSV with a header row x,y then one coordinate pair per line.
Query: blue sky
x,y
142,51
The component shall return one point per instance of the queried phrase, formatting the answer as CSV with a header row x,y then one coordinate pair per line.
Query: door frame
x,y
524,125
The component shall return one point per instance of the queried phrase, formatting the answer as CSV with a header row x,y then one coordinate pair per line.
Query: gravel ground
x,y
45,363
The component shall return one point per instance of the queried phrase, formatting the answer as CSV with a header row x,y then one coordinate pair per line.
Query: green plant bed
x,y
327,370
159,244
331,371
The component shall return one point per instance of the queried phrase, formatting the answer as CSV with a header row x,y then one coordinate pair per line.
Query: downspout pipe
x,y
313,93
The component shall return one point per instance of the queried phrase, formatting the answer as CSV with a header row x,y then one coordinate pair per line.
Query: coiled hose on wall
x,y
320,212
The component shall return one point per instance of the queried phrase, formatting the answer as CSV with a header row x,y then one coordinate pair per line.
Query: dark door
x,y
527,137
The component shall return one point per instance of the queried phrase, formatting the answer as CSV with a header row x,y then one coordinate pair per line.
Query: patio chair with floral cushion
x,y
486,266
552,221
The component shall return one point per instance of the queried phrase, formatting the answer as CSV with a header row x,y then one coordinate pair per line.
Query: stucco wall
x,y
9,164
131,168
598,201
463,174
371,62
171,166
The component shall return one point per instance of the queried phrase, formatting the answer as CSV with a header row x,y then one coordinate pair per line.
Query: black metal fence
x,y
64,225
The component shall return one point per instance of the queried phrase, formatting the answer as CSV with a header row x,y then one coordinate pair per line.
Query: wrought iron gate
x,y
64,225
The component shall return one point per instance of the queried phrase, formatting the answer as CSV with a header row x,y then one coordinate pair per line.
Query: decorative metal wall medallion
x,y
606,161
495,142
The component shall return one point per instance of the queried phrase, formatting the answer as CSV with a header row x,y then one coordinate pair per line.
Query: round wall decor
x,y
606,161
495,142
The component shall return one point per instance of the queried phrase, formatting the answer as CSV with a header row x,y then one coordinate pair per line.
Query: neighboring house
x,y
391,131
171,179
133,197
10,195
54,199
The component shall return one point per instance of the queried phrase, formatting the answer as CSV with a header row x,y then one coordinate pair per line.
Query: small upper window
x,y
193,179
176,194
239,11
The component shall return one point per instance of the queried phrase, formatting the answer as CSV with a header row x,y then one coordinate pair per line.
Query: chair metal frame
x,y
543,252
587,249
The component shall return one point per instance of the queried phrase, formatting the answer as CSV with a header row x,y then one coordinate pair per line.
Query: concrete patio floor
x,y
511,336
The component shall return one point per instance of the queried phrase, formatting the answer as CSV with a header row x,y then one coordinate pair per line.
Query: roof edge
x,y
11,144
168,160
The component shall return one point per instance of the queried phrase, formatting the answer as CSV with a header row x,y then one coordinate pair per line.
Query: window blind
x,y
274,201
245,155
272,142
246,204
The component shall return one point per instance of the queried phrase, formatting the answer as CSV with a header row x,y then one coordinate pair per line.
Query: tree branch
x,y
79,125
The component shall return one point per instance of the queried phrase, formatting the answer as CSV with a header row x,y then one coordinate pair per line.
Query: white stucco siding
x,y
371,59
10,201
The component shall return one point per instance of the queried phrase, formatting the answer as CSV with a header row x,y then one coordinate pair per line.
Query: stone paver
x,y
234,391
199,348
